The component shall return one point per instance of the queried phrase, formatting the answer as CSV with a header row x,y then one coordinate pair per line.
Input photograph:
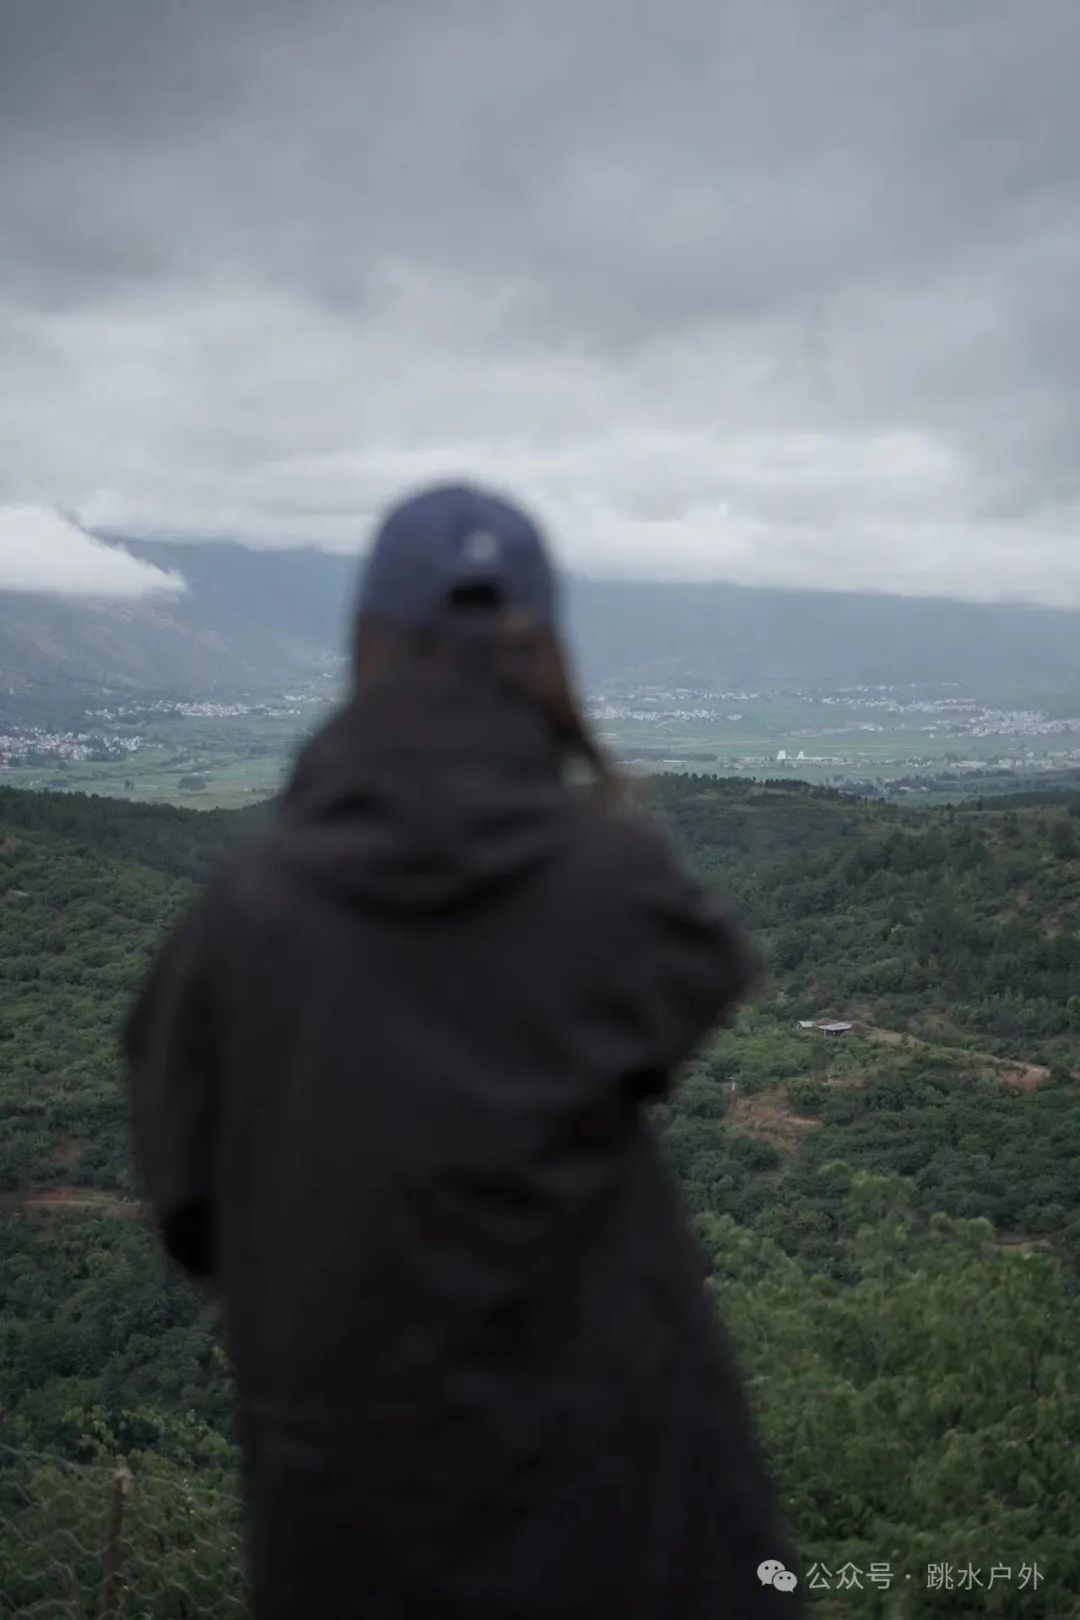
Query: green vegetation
x,y
957,925
922,1410
891,1218
968,1142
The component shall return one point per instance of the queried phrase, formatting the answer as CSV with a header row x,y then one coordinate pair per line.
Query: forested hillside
x,y
891,1217
957,925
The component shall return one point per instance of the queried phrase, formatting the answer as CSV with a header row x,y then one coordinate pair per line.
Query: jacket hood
x,y
425,791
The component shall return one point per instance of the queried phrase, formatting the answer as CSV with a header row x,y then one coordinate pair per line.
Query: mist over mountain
x,y
258,619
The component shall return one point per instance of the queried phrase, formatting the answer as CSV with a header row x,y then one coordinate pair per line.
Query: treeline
x,y
177,842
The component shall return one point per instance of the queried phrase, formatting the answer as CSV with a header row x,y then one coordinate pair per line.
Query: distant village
x,y
168,709
938,718
36,747
204,709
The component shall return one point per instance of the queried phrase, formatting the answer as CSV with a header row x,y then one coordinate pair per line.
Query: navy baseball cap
x,y
457,543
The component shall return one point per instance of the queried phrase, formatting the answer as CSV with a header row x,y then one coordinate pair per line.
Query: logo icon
x,y
482,549
772,1573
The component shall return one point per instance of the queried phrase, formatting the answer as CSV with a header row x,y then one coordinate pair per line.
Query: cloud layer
x,y
44,553
778,293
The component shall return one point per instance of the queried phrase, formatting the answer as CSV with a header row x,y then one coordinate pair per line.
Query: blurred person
x,y
390,1081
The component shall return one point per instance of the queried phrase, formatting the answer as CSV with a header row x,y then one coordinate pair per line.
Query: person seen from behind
x,y
390,1085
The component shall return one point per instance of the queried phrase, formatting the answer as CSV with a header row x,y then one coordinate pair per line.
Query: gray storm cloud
x,y
772,293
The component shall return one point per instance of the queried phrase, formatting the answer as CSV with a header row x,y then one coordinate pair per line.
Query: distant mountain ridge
x,y
739,635
248,621
253,620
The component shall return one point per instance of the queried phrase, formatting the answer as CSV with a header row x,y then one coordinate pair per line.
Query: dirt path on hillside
x,y
1025,1075
79,1200
767,1115
1017,1243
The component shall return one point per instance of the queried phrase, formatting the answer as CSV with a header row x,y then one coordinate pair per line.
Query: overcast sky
x,y
765,290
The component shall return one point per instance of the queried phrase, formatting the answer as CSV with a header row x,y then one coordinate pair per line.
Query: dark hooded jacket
x,y
389,1080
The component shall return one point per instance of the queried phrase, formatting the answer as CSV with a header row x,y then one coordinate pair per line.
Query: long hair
x,y
515,652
